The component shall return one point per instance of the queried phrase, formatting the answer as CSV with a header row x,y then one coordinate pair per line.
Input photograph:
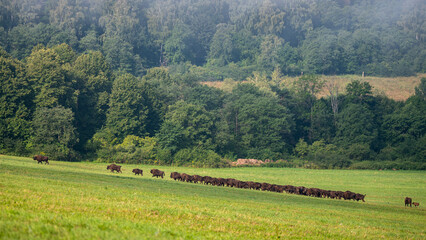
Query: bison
x,y
175,176
114,167
41,159
408,201
185,177
137,171
197,178
207,180
157,173
348,195
359,196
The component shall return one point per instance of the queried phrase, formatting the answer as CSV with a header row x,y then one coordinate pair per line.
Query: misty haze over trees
x,y
119,80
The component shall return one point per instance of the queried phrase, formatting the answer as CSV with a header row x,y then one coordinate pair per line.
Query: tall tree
x,y
15,104
185,126
49,79
256,124
93,88
128,111
54,133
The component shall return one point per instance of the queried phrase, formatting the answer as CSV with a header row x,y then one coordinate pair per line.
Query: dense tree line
x,y
73,106
227,38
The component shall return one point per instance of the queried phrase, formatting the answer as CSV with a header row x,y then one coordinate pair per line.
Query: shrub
x,y
198,157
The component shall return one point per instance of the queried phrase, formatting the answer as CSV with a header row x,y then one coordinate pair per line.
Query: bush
x,y
198,157
387,165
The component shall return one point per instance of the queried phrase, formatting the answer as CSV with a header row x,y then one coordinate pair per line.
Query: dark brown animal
x,y
265,186
348,195
41,159
416,204
137,171
175,176
359,196
114,167
408,201
207,180
197,178
157,173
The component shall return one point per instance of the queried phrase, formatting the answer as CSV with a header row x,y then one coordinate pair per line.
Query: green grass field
x,y
83,200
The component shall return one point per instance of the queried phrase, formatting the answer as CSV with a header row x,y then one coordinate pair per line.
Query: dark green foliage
x,y
355,125
15,105
186,125
198,157
133,68
128,111
54,133
255,124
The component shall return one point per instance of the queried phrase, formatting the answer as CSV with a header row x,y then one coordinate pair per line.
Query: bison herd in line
x,y
230,182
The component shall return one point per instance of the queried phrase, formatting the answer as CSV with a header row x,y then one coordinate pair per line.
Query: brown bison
x,y
137,171
359,196
175,176
41,159
207,180
157,173
114,167
197,178
185,177
416,204
408,201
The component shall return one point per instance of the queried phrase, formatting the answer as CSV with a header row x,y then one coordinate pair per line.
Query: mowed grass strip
x,y
84,201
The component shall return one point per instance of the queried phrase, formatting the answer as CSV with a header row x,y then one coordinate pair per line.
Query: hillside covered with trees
x,y
120,81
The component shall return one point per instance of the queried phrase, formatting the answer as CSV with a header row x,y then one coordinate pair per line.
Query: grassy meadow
x,y
396,88
66,200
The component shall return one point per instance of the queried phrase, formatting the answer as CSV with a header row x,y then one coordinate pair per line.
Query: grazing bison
x,y
114,167
408,201
157,173
41,159
175,176
137,171
359,196
207,180
197,178
416,204
185,177
348,195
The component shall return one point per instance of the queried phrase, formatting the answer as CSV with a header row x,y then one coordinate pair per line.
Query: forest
x,y
121,81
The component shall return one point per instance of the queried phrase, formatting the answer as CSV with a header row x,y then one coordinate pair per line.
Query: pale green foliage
x,y
136,149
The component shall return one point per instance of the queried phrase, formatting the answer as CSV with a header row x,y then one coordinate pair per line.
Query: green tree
x,y
187,125
128,110
93,88
358,91
179,47
15,104
49,79
54,133
322,53
256,124
222,50
355,124
270,47
421,89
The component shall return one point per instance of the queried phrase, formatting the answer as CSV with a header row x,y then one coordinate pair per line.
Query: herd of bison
x,y
230,182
